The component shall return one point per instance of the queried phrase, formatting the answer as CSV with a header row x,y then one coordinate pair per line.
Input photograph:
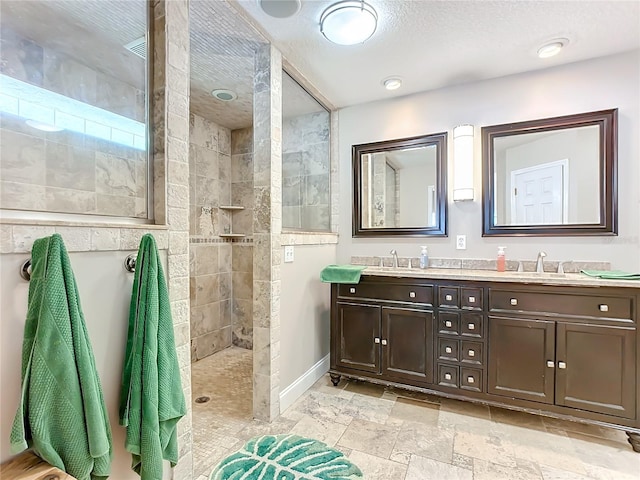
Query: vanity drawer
x,y
471,352
395,293
448,349
448,296
471,298
448,323
561,304
448,375
471,379
472,325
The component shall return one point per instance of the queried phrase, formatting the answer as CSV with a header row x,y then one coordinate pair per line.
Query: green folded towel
x,y
151,398
612,274
61,415
341,273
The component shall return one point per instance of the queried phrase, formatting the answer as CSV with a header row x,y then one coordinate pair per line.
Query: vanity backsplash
x,y
480,264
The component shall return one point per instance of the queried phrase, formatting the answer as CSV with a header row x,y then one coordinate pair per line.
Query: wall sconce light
x,y
463,163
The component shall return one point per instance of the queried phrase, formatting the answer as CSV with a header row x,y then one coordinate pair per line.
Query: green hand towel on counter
x,y
61,414
151,399
612,274
341,273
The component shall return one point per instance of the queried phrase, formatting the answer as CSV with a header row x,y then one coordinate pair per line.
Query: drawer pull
x,y
550,364
448,324
352,290
514,301
384,342
471,380
472,299
447,349
472,326
412,294
472,353
447,376
562,365
448,298
376,340
603,307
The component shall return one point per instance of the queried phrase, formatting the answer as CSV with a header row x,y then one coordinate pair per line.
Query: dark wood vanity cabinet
x,y
565,351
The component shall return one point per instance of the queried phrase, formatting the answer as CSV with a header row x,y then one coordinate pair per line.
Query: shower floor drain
x,y
204,399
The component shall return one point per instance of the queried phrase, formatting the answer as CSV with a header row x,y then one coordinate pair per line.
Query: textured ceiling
x,y
433,44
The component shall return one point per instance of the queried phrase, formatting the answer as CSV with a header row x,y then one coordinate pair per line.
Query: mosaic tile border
x,y
221,240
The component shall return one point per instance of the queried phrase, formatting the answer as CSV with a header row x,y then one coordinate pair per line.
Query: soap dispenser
x,y
424,257
500,261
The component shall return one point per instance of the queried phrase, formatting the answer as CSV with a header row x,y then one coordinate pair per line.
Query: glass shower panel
x,y
305,160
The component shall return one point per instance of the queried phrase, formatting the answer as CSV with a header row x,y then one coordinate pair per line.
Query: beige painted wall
x,y
599,84
304,311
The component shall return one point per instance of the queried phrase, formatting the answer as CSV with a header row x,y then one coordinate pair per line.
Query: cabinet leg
x,y
634,440
335,379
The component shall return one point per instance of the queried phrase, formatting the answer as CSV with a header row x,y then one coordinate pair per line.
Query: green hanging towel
x,y
151,398
61,415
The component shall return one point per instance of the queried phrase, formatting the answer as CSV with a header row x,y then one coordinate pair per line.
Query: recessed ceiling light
x,y
392,83
45,127
552,48
224,94
280,8
348,22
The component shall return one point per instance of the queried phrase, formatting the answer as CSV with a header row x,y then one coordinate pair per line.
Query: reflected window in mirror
x,y
400,187
554,176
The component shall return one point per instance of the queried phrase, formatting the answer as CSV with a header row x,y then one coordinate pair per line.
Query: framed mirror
x,y
400,187
551,177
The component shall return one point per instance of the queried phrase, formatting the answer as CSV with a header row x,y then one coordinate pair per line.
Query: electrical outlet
x,y
461,242
288,254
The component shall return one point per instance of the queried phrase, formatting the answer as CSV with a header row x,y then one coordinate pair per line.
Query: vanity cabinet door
x,y
357,336
595,368
521,358
406,344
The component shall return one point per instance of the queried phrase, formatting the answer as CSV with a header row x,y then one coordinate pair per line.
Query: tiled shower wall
x,y
306,172
242,195
64,171
210,256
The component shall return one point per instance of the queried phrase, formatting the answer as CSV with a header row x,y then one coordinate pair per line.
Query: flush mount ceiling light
x,y
224,94
45,127
280,8
392,83
348,22
552,48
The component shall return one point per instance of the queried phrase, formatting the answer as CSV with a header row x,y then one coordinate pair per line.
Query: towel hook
x,y
130,263
25,270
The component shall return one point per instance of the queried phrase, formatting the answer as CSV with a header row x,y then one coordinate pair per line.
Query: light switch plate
x,y
461,242
288,254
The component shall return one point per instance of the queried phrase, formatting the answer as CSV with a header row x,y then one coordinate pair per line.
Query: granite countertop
x,y
547,278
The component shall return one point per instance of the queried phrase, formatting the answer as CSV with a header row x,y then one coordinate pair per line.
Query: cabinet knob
x,y
550,364
514,301
412,294
384,342
447,349
603,307
562,365
472,326
471,380
448,298
472,353
472,299
447,376
376,340
352,290
448,324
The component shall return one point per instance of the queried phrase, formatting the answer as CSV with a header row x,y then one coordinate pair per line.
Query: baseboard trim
x,y
302,383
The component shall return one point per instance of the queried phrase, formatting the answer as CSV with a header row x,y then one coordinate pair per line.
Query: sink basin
x,y
534,274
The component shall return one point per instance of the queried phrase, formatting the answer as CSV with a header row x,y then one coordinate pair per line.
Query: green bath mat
x,y
285,457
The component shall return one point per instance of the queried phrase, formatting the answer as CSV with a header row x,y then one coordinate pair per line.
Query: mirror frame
x,y
440,229
607,120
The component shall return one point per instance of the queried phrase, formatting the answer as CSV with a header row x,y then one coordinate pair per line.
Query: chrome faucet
x,y
395,258
540,262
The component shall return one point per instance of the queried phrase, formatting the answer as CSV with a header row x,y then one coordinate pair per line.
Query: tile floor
x,y
393,434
